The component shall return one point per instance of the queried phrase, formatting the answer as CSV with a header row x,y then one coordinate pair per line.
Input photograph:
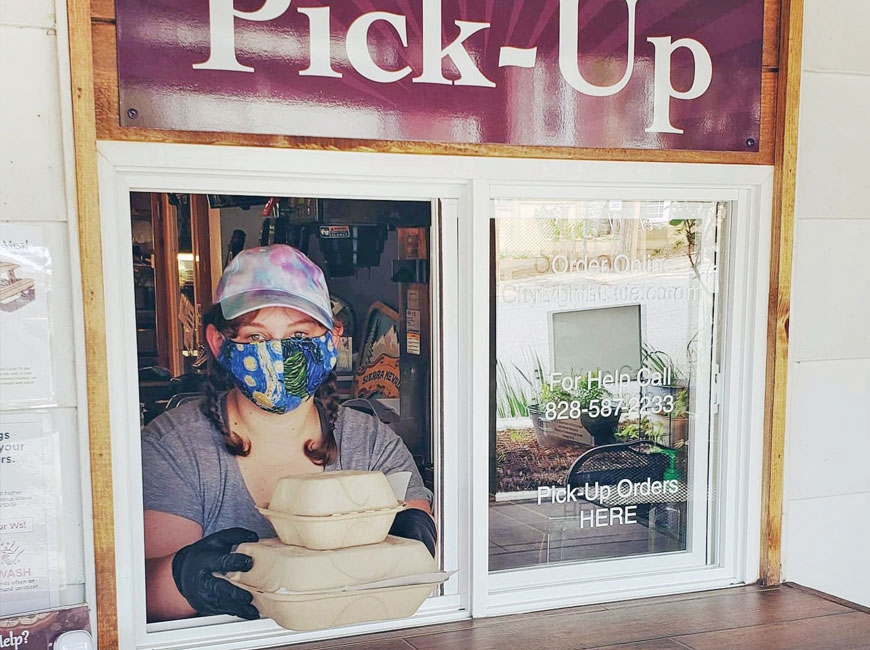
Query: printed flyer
x,y
29,568
25,345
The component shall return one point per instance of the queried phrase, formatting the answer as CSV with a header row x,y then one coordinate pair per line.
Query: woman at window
x,y
270,411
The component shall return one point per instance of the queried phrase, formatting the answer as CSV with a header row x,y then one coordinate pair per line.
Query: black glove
x,y
192,569
413,523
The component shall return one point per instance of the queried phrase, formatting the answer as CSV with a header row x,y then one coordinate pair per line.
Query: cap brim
x,y
244,303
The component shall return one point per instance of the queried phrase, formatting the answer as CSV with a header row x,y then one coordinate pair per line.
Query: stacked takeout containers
x,y
335,564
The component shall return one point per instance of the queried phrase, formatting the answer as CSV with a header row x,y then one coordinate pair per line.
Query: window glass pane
x,y
604,329
328,350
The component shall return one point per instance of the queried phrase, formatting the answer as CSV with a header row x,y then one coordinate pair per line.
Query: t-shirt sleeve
x,y
170,476
390,455
366,443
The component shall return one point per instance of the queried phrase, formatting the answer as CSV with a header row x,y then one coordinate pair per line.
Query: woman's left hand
x,y
413,523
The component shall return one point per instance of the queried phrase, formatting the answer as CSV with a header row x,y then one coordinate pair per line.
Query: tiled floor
x,y
524,534
742,618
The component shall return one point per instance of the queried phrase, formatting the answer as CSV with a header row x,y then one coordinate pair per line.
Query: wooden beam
x,y
770,40
96,362
203,255
165,224
216,246
201,218
780,287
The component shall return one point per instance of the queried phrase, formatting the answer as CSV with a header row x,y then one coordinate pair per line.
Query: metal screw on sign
x,y
750,142
132,113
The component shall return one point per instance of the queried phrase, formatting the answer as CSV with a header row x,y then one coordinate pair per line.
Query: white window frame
x,y
565,584
465,187
696,553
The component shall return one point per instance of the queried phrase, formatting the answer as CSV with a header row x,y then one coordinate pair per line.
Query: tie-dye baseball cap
x,y
274,276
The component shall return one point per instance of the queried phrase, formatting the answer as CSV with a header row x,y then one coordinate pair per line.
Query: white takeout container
x,y
278,566
318,611
333,531
331,493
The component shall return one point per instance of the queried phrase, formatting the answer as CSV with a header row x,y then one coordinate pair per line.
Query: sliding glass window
x,y
604,349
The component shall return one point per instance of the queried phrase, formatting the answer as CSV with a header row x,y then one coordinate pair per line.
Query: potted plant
x,y
642,429
598,416
667,377
679,419
520,393
544,411
673,387
582,415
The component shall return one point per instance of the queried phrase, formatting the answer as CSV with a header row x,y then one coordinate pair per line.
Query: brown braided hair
x,y
219,381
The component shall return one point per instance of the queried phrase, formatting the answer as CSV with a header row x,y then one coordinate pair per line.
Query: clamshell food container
x,y
278,566
333,531
318,611
331,493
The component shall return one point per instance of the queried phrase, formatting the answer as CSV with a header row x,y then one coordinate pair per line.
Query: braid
x,y
215,388
217,384
327,401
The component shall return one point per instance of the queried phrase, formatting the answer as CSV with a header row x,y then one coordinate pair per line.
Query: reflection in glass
x,y
604,330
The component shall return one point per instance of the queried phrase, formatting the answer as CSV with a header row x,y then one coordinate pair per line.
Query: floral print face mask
x,y
280,374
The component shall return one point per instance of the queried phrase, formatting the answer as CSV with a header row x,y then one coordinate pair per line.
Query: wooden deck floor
x,y
785,617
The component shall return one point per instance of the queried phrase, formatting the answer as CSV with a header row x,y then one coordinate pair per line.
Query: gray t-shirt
x,y
187,470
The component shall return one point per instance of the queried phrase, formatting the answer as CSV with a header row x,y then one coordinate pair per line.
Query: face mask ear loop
x,y
224,341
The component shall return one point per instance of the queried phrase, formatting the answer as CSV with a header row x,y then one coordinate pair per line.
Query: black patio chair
x,y
661,507
607,465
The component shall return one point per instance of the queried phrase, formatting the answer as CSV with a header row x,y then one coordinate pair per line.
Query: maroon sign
x,y
39,630
650,74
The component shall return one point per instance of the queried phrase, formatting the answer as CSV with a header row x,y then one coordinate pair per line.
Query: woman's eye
x,y
300,335
256,338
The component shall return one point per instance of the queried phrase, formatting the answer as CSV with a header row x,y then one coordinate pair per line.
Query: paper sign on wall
x,y
29,548
25,345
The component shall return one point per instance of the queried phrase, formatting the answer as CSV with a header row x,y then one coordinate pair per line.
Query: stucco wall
x,y
34,189
827,526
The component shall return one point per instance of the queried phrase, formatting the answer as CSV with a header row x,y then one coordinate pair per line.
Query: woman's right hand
x,y
192,569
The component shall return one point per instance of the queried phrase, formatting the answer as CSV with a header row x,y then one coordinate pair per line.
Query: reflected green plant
x,y
642,429
663,364
517,390
512,399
